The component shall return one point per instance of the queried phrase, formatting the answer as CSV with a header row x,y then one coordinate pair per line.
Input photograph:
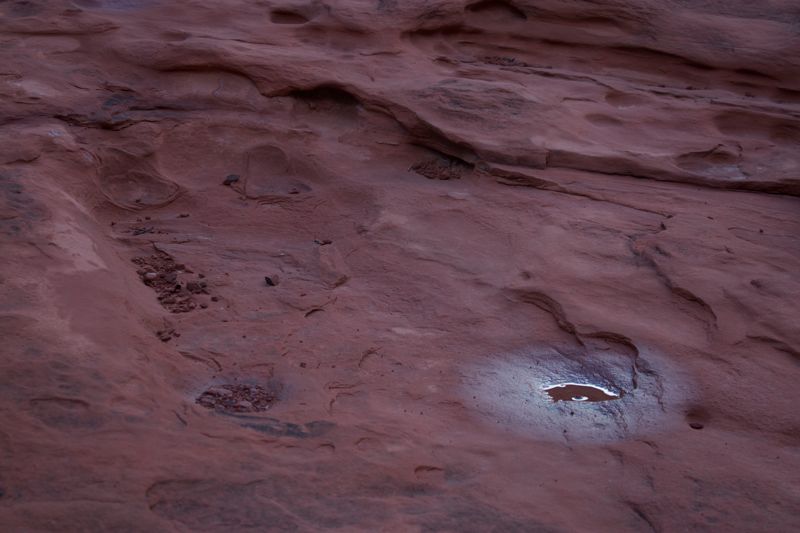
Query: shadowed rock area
x,y
309,265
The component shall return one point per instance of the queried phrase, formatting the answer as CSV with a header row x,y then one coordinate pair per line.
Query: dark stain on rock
x,y
277,428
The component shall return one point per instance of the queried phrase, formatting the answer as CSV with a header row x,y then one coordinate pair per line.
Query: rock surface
x,y
464,202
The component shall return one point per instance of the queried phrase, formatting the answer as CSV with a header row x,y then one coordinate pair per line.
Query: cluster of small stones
x,y
237,398
160,273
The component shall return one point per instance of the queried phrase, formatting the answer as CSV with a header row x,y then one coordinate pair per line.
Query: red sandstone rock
x,y
505,196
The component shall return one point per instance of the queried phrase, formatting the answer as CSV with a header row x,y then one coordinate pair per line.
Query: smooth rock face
x,y
465,203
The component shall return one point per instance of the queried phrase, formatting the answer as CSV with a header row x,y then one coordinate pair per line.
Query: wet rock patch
x,y
589,396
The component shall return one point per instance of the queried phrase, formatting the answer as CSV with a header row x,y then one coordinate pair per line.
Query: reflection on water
x,y
576,392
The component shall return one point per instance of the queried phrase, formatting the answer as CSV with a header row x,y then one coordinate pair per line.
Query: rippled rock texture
x,y
314,265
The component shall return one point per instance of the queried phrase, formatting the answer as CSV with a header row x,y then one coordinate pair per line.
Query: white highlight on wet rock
x,y
508,393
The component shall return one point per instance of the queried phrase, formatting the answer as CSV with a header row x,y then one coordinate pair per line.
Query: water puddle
x,y
542,393
577,392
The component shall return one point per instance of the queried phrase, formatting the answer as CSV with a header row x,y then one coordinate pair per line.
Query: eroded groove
x,y
496,6
521,179
644,516
709,317
325,92
626,343
548,304
778,345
